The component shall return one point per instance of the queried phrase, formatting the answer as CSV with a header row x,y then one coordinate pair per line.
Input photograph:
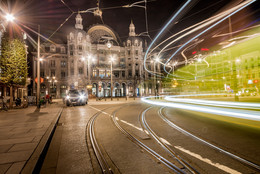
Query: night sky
x,y
51,13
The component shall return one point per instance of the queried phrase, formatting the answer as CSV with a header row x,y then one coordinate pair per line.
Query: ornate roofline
x,y
106,28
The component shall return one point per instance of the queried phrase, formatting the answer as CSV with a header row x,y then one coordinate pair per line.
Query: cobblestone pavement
x,y
23,135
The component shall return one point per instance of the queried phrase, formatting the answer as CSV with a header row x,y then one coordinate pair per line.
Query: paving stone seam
x,y
37,157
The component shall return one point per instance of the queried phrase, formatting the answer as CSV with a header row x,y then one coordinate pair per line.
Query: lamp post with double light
x,y
53,81
109,45
89,57
157,59
111,75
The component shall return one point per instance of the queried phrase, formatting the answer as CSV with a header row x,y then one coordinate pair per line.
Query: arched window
x,y
62,49
128,42
136,43
71,36
80,37
53,48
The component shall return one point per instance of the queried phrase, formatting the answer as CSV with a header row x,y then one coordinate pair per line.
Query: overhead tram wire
x,y
67,6
200,26
179,33
72,12
214,18
61,25
174,17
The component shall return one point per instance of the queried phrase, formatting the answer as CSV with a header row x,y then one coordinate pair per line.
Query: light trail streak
x,y
182,53
215,103
37,33
242,114
234,32
243,5
214,18
163,29
193,26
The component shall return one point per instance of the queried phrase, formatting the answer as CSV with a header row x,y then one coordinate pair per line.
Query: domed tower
x,y
78,24
132,29
134,56
79,46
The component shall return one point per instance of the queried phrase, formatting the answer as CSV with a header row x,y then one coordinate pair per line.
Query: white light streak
x,y
236,9
215,103
243,114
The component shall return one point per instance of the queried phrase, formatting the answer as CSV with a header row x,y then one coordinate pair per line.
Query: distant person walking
x,y
48,98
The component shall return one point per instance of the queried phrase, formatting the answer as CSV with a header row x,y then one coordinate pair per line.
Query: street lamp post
x,y
111,75
48,85
109,45
155,77
52,80
38,69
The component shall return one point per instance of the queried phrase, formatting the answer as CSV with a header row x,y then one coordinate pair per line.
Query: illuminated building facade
x,y
84,62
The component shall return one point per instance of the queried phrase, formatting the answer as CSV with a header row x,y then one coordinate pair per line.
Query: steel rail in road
x,y
163,160
100,157
164,146
242,160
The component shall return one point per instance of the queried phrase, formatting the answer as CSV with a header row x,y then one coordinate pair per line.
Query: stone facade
x,y
84,62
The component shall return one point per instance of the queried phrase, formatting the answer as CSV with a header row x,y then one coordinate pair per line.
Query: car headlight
x,y
81,96
67,97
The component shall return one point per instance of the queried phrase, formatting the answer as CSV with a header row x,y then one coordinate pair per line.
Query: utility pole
x,y
38,69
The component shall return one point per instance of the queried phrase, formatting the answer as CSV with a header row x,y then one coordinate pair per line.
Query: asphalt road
x,y
117,128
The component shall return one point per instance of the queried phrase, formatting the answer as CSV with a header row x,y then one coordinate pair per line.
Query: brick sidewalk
x,y
23,135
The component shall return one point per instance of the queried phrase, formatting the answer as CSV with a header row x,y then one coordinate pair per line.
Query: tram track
x,y
174,161
150,151
229,154
103,162
185,164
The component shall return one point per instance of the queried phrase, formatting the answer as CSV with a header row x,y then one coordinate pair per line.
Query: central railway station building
x,y
84,62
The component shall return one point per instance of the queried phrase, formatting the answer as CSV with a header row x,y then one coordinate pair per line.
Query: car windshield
x,y
73,92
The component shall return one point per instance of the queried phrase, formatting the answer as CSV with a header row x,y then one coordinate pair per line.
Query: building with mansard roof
x,y
84,62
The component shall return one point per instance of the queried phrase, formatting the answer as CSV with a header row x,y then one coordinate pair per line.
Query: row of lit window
x,y
53,74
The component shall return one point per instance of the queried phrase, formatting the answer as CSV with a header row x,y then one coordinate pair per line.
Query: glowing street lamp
x,y
109,45
9,18
83,58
